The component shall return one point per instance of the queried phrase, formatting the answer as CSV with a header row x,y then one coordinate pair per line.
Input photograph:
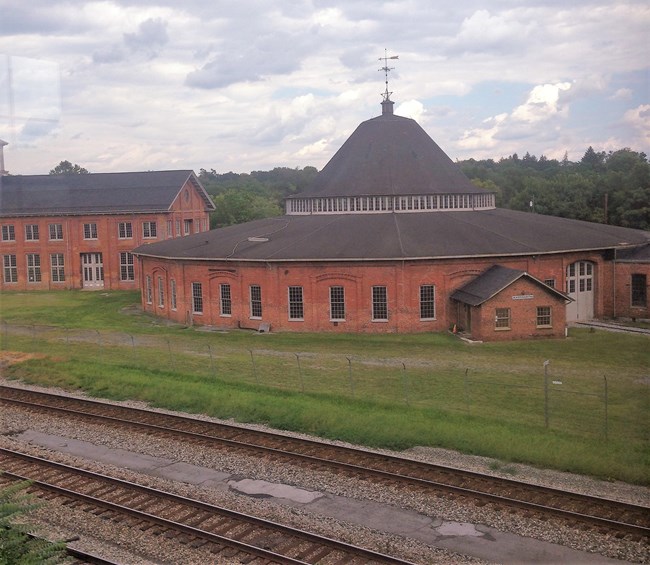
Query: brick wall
x,y
188,205
623,307
521,299
402,281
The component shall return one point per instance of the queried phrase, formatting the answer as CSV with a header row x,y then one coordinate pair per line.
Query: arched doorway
x,y
580,287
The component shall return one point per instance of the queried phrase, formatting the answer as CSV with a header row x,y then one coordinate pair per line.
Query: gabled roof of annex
x,y
95,193
491,282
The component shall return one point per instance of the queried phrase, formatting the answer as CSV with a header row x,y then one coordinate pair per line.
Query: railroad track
x,y
227,534
618,518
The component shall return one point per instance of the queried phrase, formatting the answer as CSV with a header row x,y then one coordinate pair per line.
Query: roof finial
x,y
387,103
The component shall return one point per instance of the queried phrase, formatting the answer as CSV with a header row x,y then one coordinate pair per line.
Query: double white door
x,y
92,268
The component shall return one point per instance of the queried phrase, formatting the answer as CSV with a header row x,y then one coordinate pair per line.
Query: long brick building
x,y
392,237
78,231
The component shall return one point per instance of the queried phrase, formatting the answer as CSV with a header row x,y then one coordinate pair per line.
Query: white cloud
x,y
252,84
413,109
622,94
639,119
542,103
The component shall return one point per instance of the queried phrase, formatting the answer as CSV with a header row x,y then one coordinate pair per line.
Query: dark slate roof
x,y
390,155
96,193
420,235
493,281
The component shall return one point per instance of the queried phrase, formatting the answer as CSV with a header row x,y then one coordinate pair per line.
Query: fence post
x,y
350,375
546,364
466,383
99,345
254,367
606,409
171,357
211,360
405,385
302,381
133,350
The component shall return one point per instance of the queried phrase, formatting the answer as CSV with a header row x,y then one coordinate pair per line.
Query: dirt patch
x,y
8,358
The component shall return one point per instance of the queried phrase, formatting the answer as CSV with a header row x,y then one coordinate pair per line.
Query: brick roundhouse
x,y
392,237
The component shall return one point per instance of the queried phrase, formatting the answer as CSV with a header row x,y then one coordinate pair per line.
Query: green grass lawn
x,y
396,391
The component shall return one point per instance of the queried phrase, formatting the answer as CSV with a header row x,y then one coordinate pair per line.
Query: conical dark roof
x,y
390,155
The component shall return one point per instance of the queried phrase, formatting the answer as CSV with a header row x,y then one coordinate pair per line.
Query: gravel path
x,y
130,546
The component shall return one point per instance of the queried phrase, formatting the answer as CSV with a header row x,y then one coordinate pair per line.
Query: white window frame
x,y
379,303
149,230
172,293
55,232
427,302
225,300
502,319
127,266
337,303
8,232
10,268
148,290
296,305
31,232
33,261
197,298
161,292
125,230
255,294
57,267
544,316
90,230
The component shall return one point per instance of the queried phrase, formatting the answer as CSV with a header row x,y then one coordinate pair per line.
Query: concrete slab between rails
x,y
465,538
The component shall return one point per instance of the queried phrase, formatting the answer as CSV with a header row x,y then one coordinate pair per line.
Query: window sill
x,y
379,321
502,329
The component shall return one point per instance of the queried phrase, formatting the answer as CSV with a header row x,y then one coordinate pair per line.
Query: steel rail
x,y
377,459
318,541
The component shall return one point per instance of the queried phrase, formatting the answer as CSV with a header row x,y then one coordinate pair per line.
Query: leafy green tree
x,y
235,206
67,168
609,187
16,546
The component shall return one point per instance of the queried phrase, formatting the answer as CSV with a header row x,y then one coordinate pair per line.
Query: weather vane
x,y
386,68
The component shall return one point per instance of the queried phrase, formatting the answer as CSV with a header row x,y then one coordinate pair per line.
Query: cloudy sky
x,y
129,85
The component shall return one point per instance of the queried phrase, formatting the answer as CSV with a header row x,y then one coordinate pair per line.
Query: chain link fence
x,y
580,404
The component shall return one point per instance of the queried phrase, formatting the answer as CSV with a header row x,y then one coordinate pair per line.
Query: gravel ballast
x,y
130,548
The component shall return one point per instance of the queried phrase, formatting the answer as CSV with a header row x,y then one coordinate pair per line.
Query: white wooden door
x,y
580,287
92,268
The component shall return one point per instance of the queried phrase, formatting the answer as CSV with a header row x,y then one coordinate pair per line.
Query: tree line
x,y
605,187
602,187
612,188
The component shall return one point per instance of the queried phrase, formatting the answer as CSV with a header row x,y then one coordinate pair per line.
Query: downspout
x,y
614,284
